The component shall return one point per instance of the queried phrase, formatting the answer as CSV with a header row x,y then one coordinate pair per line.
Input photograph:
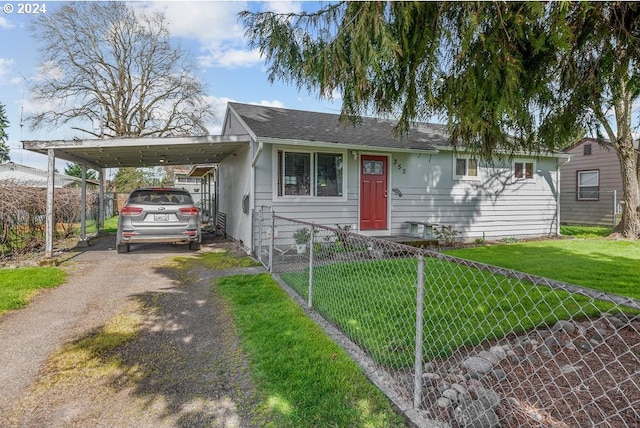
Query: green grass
x,y
303,377
110,225
373,302
602,264
585,231
216,260
18,286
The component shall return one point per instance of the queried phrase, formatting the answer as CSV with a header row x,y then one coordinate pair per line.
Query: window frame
x,y
579,187
524,163
466,176
279,170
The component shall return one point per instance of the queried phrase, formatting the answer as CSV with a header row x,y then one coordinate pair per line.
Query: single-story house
x,y
591,184
35,177
310,166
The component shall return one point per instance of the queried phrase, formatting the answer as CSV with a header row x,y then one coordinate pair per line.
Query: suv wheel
x,y
195,246
123,248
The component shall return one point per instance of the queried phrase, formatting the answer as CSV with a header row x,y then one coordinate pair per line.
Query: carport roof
x,y
142,152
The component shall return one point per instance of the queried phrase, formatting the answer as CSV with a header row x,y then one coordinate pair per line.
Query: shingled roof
x,y
286,124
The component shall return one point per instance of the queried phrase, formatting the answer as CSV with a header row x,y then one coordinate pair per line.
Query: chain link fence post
x,y
311,245
417,380
271,241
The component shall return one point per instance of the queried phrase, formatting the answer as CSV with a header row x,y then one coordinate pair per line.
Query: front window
x,y
310,174
523,170
588,185
297,174
466,167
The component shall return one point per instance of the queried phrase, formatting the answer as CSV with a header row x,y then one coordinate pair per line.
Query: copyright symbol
x,y
7,8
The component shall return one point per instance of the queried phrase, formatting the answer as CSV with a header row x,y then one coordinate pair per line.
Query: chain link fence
x,y
462,344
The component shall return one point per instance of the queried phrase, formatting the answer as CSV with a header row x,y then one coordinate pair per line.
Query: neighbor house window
x,y
310,174
465,167
588,185
523,170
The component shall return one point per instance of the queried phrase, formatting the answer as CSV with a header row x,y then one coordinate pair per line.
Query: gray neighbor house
x,y
309,166
591,185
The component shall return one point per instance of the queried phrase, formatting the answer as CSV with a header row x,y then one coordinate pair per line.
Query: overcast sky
x,y
209,30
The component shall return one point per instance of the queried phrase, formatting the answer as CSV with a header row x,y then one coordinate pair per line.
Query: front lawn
x,y
602,264
374,303
18,286
304,378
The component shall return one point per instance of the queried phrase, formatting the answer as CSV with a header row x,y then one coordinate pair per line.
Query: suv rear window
x,y
160,196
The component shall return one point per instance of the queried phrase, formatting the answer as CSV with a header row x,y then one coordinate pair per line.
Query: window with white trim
x,y
523,170
465,167
588,185
309,173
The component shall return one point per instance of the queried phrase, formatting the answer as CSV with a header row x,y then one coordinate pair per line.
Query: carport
x,y
99,154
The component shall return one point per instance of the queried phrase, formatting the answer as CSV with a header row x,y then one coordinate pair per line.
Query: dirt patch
x,y
585,377
184,368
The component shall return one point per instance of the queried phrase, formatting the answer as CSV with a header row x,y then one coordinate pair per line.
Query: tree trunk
x,y
629,226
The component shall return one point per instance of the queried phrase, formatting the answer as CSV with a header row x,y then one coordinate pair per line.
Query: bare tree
x,y
111,72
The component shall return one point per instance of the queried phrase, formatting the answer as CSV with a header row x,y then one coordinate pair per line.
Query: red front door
x,y
373,192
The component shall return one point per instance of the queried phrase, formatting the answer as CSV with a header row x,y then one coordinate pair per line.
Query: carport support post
x,y
49,223
83,206
417,380
101,214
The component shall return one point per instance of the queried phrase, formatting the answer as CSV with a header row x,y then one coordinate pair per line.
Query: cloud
x,y
220,108
214,26
282,6
228,57
4,23
5,66
267,103
202,21
217,29
48,71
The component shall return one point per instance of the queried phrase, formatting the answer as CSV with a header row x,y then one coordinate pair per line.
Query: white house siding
x,y
34,177
235,182
492,207
580,212
325,211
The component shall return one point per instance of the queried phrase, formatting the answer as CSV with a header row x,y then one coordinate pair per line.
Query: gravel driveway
x,y
189,370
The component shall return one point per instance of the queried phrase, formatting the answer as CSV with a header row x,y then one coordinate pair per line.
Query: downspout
x,y
558,165
252,204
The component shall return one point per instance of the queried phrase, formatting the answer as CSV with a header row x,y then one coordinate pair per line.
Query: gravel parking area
x,y
185,368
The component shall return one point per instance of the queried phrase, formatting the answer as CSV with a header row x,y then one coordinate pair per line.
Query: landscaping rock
x,y
478,364
475,415
566,326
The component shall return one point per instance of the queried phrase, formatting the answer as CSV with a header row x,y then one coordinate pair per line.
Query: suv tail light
x,y
189,211
130,210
